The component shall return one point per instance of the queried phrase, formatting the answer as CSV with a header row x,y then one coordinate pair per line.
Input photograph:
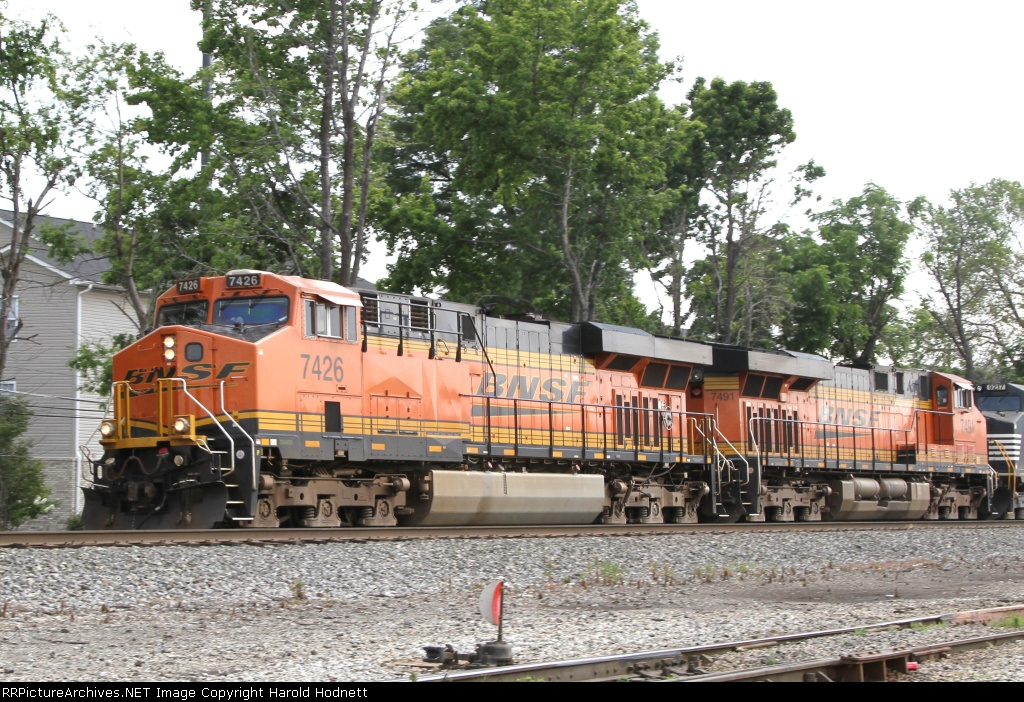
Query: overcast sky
x,y
918,97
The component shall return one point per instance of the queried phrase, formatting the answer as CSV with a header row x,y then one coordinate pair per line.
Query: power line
x,y
52,397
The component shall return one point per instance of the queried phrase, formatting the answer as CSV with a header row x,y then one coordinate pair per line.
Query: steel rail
x,y
683,664
72,539
872,667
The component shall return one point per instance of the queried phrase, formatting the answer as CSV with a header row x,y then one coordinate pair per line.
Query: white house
x,y
60,307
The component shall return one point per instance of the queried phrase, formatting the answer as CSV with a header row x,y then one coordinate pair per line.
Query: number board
x,y
244,280
991,387
188,285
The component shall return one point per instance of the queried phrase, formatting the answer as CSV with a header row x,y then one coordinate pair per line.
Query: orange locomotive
x,y
267,400
809,441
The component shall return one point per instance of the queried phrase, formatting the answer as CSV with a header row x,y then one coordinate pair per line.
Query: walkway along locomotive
x,y
266,400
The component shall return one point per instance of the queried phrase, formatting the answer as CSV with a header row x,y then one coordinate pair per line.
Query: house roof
x,y
88,267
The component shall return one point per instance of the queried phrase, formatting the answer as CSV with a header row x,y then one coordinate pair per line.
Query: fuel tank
x,y
866,499
475,498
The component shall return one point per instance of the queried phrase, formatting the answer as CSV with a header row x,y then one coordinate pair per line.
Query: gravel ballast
x,y
364,611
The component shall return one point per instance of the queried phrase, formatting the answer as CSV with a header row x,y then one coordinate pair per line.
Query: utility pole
x,y
207,63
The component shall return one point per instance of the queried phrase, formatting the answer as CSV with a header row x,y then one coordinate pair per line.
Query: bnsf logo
x,y
531,388
196,371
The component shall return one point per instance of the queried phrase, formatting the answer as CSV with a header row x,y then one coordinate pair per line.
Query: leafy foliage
x,y
846,279
38,124
286,118
533,178
726,170
974,254
23,493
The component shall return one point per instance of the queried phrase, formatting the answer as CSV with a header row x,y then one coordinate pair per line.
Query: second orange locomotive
x,y
267,400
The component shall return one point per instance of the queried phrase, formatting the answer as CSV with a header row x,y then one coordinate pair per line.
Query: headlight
x,y
180,426
107,429
169,343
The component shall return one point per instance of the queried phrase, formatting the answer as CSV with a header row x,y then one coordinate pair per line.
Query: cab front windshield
x,y
999,403
187,314
249,311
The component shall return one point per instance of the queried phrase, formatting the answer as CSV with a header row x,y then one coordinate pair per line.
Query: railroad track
x,y
730,662
73,539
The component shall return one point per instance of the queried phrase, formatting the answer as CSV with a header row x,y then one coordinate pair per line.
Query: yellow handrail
x,y
1011,467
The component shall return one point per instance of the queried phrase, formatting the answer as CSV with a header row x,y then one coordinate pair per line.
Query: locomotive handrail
x,y
184,388
429,330
870,432
122,409
1011,467
720,461
655,442
743,458
856,433
483,346
238,426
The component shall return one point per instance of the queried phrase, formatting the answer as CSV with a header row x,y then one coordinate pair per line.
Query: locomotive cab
x,y
184,447
1002,405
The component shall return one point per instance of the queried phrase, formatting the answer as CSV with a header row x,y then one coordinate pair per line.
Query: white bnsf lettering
x,y
849,416
524,387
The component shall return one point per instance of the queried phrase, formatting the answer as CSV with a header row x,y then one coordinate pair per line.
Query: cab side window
x,y
963,398
322,318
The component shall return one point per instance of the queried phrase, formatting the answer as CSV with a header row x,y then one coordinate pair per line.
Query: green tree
x,y
285,118
38,122
127,191
530,157
913,341
133,204
23,493
667,247
116,175
741,131
974,256
760,290
847,277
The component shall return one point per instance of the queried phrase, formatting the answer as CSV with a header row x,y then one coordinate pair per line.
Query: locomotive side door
x,y
942,395
330,358
672,425
957,423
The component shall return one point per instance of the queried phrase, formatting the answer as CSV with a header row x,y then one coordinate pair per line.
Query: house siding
x,y
38,363
101,318
53,327
62,303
